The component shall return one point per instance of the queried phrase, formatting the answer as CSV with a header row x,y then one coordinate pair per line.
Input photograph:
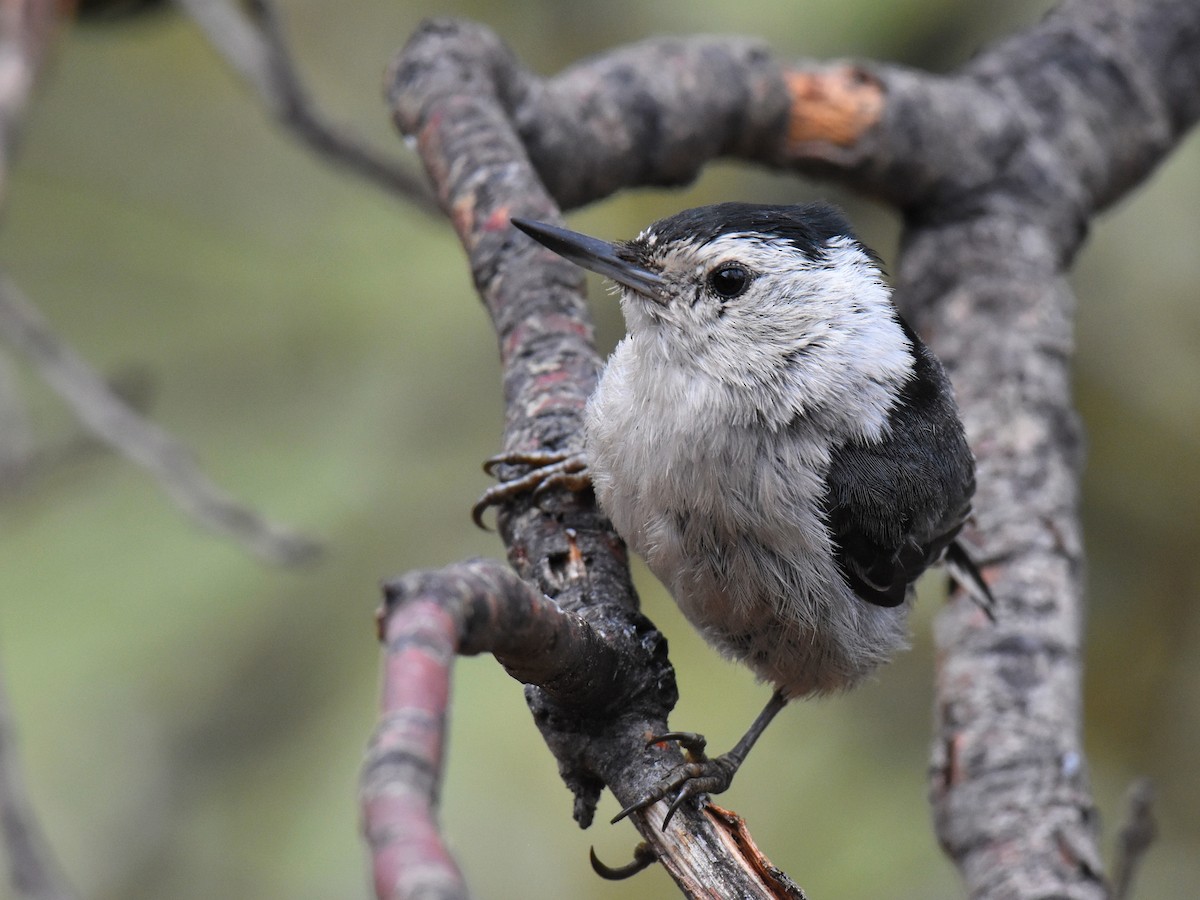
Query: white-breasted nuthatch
x,y
777,444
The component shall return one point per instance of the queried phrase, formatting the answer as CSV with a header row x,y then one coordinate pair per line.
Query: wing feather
x,y
893,507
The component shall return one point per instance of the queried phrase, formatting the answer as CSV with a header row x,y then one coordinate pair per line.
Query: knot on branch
x,y
580,669
595,690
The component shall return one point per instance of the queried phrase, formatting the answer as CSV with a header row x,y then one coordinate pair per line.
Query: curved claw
x,y
634,807
643,857
689,780
505,490
710,776
550,469
693,744
477,511
699,775
690,788
539,459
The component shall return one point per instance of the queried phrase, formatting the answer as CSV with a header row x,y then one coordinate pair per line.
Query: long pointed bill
x,y
593,254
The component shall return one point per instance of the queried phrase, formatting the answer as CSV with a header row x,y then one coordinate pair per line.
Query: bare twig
x,y
26,459
16,433
1137,835
116,423
33,871
254,45
25,30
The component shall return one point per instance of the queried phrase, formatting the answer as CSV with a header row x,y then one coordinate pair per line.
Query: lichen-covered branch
x,y
998,169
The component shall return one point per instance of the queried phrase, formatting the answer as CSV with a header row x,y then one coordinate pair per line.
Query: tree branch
x,y
582,680
254,45
25,32
998,169
1135,837
33,871
16,433
427,618
116,423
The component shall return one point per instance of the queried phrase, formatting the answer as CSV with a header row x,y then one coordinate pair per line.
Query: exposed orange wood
x,y
835,105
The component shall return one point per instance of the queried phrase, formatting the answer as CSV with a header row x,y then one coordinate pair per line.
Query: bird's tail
x,y
967,576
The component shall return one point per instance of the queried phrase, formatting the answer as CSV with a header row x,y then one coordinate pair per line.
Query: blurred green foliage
x,y
193,723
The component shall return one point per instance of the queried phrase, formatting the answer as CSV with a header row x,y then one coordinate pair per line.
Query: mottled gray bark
x,y
998,169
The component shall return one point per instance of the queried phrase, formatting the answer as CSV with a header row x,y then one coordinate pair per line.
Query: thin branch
x,y
16,432
254,45
482,606
1137,835
33,871
116,423
23,459
25,30
402,774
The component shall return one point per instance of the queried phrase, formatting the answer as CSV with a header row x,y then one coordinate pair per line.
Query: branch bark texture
x,y
998,169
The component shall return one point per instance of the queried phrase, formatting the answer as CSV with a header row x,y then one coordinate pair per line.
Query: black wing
x,y
894,507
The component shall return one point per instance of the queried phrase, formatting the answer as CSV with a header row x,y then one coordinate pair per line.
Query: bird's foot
x,y
546,469
700,774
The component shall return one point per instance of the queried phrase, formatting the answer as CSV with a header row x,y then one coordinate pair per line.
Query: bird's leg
x,y
701,774
548,469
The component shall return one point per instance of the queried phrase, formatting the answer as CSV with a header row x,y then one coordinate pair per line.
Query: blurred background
x,y
193,722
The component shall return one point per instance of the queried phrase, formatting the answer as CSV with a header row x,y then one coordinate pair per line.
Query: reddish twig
x,y
428,618
402,774
484,607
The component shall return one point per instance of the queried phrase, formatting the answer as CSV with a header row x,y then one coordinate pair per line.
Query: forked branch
x,y
997,169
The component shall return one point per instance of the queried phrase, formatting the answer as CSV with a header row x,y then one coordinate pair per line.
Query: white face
x,y
796,332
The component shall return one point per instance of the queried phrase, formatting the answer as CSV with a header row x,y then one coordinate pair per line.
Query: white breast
x,y
727,514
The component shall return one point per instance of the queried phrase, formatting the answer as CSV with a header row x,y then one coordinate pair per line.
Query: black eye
x,y
729,280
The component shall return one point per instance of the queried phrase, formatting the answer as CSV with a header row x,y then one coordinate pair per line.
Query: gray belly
x,y
783,612
727,514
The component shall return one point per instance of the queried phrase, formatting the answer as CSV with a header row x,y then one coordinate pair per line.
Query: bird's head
x,y
780,302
